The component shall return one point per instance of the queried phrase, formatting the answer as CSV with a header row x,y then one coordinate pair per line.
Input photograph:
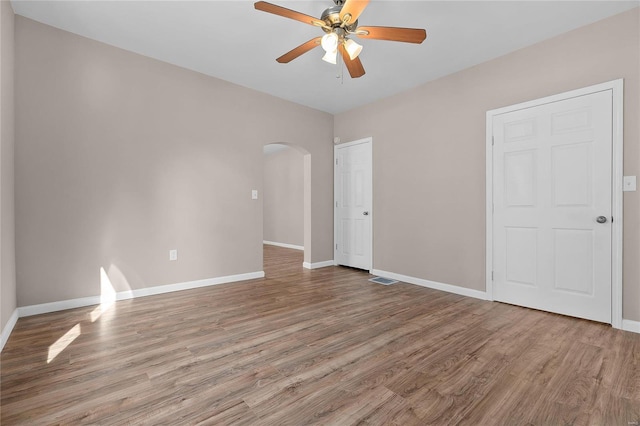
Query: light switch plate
x,y
629,183
254,194
173,254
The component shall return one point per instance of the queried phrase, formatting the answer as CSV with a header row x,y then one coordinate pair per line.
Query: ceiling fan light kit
x,y
339,22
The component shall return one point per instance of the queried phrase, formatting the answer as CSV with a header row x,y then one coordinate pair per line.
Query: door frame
x,y
369,142
616,87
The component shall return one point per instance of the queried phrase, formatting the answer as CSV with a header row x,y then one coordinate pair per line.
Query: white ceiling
x,y
233,41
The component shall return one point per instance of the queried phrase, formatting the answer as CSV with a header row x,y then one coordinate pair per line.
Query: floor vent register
x,y
383,281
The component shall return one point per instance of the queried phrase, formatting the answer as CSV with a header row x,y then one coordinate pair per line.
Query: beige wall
x,y
120,158
429,151
283,197
7,230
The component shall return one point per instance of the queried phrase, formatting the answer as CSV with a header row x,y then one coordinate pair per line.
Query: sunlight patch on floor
x,y
62,343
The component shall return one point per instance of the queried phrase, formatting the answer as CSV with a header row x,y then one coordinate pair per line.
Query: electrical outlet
x,y
173,254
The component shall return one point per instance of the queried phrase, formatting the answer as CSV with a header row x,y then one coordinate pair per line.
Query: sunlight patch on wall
x,y
62,343
107,296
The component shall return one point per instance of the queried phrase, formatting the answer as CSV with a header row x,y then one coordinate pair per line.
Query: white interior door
x,y
552,189
353,194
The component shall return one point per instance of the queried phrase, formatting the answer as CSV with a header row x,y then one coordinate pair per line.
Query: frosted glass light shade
x,y
353,48
329,42
331,57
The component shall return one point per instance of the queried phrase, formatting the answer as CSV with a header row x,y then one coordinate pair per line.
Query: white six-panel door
x,y
353,204
552,202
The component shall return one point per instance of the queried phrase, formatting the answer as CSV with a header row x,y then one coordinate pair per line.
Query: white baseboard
x,y
150,291
317,265
477,294
285,245
44,308
8,328
630,325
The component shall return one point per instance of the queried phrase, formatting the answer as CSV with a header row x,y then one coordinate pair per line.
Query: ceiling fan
x,y
339,22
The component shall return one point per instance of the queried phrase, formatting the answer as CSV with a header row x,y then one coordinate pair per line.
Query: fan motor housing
x,y
331,17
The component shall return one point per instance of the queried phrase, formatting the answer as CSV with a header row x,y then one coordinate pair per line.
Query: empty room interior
x,y
320,212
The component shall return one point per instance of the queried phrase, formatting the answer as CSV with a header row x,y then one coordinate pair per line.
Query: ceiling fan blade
x,y
303,48
288,13
406,35
354,66
353,8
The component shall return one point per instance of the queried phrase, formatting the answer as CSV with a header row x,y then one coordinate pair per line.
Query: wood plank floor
x,y
318,347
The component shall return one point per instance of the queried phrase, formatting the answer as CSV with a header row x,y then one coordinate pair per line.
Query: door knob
x,y
601,219
365,213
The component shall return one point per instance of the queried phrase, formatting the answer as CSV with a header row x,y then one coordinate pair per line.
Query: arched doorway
x,y
287,198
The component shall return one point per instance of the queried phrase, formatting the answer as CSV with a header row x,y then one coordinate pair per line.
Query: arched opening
x,y
286,201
